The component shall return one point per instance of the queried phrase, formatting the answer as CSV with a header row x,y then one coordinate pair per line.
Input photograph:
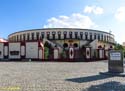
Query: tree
x,y
46,52
119,47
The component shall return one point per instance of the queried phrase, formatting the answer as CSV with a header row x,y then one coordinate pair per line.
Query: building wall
x,y
85,38
14,50
32,50
1,50
37,34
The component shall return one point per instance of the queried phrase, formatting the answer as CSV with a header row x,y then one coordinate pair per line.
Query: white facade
x,y
14,50
56,53
19,50
6,50
32,50
1,50
23,51
88,53
91,34
30,44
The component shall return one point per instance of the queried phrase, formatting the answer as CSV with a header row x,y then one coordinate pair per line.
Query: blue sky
x,y
105,15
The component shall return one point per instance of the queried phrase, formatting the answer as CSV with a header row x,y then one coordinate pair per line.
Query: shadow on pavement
x,y
89,78
108,86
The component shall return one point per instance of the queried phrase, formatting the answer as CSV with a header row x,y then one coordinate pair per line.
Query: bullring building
x,y
58,44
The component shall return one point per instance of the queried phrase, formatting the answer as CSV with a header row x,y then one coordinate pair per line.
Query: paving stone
x,y
58,76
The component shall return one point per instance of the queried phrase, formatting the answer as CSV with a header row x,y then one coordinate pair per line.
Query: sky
x,y
104,15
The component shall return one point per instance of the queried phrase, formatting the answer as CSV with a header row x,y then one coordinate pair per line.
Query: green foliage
x,y
119,47
46,52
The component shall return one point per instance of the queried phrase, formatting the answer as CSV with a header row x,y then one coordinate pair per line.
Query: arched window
x,y
90,36
102,37
28,36
32,34
81,35
70,35
53,34
48,35
37,35
59,35
95,36
42,35
65,33
98,36
86,36
75,45
65,45
99,46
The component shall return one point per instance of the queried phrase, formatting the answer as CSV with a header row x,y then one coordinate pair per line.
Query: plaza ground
x,y
58,76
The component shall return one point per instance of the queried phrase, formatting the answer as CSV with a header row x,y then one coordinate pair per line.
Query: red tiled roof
x,y
3,40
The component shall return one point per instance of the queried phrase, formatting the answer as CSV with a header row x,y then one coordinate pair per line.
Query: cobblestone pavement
x,y
57,76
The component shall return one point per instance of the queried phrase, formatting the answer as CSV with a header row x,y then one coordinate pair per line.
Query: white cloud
x,y
120,14
98,11
75,20
94,9
88,9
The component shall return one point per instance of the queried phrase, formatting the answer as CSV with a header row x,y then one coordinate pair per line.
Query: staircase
x,y
54,44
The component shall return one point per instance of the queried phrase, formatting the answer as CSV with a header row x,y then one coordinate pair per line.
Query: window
x,y
70,35
81,35
98,36
90,36
65,45
95,36
28,36
37,35
86,36
64,36
102,37
53,34
59,35
42,35
32,36
59,32
75,45
14,52
48,35
65,33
